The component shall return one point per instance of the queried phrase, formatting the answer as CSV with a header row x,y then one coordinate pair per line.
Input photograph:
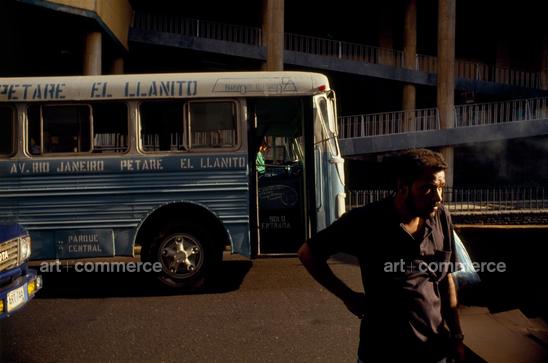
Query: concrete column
x,y
446,75
117,66
92,53
449,156
273,34
409,61
410,35
386,36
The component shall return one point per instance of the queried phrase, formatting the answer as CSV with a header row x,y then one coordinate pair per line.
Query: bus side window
x,y
110,127
162,126
66,128
34,134
212,124
7,131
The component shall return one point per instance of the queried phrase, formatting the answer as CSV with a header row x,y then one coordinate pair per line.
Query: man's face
x,y
425,194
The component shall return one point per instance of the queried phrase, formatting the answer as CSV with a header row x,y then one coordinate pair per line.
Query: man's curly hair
x,y
409,165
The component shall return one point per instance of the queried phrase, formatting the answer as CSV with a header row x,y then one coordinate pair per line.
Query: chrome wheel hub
x,y
181,255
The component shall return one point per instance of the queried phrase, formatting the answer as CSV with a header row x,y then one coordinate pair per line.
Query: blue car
x,y
18,283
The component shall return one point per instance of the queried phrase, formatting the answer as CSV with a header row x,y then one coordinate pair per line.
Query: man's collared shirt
x,y
400,273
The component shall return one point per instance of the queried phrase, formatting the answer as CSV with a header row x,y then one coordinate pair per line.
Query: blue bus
x,y
163,166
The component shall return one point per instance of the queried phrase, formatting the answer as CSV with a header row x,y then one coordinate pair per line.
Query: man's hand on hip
x,y
355,303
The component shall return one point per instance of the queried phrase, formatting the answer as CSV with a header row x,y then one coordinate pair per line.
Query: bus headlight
x,y
24,248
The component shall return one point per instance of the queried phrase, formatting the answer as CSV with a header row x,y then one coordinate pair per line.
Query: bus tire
x,y
186,253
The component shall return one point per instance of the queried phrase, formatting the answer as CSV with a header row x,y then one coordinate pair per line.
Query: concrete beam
x,y
444,137
323,63
198,44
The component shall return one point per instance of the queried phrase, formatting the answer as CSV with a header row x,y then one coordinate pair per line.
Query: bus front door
x,y
281,209
280,186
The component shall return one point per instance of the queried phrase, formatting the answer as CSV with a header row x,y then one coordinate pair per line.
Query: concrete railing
x,y
428,119
495,199
330,48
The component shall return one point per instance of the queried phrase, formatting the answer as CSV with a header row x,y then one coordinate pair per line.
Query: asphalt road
x,y
265,310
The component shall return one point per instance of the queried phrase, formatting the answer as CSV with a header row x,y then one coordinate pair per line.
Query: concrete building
x,y
398,55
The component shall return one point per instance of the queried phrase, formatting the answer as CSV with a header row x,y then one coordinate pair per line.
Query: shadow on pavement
x,y
472,357
71,284
522,284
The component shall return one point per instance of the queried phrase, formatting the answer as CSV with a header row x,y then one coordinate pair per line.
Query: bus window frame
x,y
14,114
139,126
91,152
236,104
128,130
90,119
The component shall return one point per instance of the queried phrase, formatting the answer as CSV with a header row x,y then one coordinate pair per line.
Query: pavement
x,y
504,337
264,310
498,332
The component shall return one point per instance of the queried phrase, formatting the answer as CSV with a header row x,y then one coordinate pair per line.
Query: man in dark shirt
x,y
405,246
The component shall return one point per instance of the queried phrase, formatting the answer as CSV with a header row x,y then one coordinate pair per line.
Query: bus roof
x,y
157,86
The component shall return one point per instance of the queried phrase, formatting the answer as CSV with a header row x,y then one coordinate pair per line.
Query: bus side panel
x,y
90,207
240,237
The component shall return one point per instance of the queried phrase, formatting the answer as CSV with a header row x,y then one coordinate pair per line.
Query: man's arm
x,y
317,266
451,315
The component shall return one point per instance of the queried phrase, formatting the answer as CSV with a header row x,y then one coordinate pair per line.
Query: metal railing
x,y
511,198
359,198
331,48
427,63
495,199
198,28
474,114
479,71
343,50
501,112
386,123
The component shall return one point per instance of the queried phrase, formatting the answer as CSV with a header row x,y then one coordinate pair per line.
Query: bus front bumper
x,y
19,292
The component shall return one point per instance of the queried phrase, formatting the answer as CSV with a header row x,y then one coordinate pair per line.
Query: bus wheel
x,y
186,255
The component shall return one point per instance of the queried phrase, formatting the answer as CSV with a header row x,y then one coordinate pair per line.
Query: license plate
x,y
16,298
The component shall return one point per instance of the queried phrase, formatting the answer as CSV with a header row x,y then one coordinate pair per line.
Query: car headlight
x,y
24,248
